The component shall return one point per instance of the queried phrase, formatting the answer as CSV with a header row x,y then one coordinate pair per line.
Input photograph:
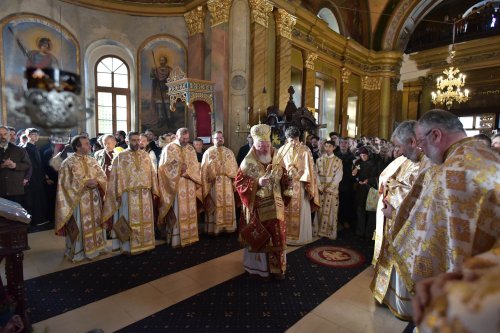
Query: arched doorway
x,y
203,119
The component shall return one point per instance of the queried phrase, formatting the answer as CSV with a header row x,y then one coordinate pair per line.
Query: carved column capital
x,y
219,10
371,82
260,11
285,23
310,59
345,73
428,81
195,20
414,95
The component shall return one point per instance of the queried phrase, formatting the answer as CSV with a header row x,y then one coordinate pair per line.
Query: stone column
x,y
219,10
385,109
344,93
195,22
284,25
260,10
413,103
410,100
309,78
370,112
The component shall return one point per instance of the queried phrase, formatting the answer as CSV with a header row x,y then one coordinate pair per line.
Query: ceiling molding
x,y
140,7
403,22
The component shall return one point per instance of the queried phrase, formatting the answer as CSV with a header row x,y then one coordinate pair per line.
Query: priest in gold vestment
x,y
180,190
218,171
330,172
395,183
262,227
451,212
296,158
132,187
79,189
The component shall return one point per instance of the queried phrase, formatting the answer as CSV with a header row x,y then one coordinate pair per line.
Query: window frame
x,y
320,85
114,92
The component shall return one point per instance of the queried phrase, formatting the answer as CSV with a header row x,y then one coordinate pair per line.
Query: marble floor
x,y
350,309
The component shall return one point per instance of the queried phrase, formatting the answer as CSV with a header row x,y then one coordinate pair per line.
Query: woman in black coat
x,y
366,170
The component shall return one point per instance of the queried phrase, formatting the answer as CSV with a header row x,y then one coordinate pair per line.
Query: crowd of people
x,y
437,190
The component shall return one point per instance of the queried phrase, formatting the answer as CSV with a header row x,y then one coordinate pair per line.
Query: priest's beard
x,y
264,158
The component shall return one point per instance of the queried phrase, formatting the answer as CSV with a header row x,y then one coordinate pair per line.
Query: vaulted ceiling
x,y
366,21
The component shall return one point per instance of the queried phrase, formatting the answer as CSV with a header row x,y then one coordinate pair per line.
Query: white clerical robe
x,y
330,173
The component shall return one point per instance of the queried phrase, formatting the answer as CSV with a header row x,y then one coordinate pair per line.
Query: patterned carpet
x,y
250,305
58,292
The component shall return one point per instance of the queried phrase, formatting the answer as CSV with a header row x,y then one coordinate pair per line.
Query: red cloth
x,y
277,229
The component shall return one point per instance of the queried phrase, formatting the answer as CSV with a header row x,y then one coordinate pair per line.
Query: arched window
x,y
113,95
327,15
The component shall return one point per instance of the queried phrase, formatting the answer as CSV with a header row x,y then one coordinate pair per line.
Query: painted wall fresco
x,y
158,58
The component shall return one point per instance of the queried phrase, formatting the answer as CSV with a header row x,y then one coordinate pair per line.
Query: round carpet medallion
x,y
335,256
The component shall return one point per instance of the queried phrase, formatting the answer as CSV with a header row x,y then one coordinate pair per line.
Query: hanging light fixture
x,y
449,87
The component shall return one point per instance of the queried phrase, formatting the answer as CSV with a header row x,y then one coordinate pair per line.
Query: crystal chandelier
x,y
449,86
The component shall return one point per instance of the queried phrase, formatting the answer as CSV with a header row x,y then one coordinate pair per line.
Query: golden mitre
x,y
261,132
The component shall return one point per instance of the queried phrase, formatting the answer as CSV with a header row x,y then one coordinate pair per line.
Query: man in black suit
x,y
347,199
36,200
244,150
120,139
14,162
198,147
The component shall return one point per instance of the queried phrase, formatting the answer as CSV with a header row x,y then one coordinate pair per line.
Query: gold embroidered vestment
x,y
218,171
298,157
133,173
72,192
450,214
187,188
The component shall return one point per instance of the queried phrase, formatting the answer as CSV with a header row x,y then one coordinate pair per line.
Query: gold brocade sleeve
x,y
154,181
468,304
207,171
309,176
69,189
169,172
230,164
399,185
247,179
193,171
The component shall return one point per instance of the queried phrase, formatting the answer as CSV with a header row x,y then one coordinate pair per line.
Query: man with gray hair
x,y
105,156
218,171
394,183
180,190
451,212
262,227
